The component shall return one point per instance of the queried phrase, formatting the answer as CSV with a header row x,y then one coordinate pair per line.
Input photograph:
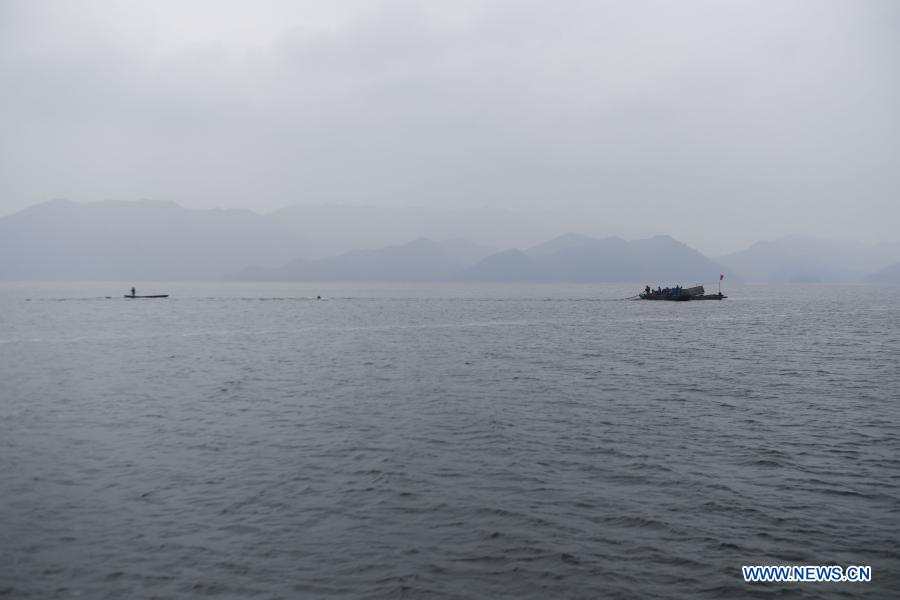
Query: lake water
x,y
440,441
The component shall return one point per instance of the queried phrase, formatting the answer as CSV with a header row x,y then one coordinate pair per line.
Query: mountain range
x,y
568,258
419,260
798,259
888,275
138,241
578,258
148,240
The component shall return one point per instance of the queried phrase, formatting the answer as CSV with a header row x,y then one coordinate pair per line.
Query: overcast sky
x,y
719,122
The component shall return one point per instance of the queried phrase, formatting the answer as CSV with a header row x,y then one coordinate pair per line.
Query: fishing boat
x,y
134,295
679,294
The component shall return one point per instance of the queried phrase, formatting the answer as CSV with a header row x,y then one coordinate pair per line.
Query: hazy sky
x,y
719,122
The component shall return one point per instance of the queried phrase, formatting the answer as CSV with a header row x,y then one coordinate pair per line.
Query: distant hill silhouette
x,y
134,241
506,266
148,240
798,259
566,241
331,230
890,274
419,260
579,258
143,240
569,258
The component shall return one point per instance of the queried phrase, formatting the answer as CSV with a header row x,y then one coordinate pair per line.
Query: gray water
x,y
445,441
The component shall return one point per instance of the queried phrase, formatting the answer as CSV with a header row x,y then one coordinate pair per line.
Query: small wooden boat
x,y
679,294
156,296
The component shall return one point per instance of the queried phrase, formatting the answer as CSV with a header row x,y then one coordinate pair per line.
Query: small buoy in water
x,y
318,297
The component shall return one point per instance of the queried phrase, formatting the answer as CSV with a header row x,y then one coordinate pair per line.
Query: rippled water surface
x,y
445,441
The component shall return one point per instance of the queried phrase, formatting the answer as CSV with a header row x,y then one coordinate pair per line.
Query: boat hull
x,y
665,298
139,297
684,295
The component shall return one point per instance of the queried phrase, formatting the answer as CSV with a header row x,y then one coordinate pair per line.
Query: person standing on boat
x,y
133,291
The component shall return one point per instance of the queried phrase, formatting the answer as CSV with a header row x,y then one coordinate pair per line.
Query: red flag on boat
x,y
721,277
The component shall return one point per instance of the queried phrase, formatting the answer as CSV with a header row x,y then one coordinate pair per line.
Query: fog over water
x,y
719,123
507,423
450,441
